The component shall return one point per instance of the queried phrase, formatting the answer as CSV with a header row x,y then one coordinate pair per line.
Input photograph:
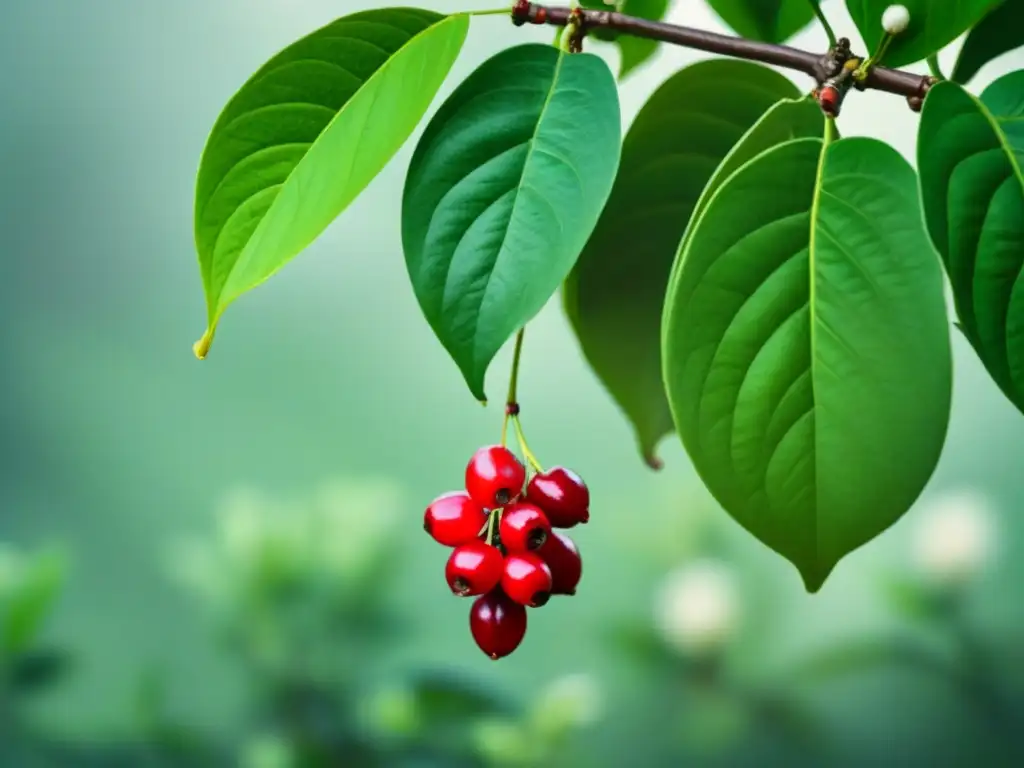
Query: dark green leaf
x,y
806,348
770,21
633,51
503,191
970,154
34,670
30,603
614,295
1000,31
305,135
934,24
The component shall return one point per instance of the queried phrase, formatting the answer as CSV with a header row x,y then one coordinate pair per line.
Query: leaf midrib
x,y
812,317
215,307
520,186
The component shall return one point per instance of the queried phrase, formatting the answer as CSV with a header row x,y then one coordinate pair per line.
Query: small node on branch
x,y
512,409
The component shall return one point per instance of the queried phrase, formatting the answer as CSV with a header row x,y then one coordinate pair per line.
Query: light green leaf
x,y
971,155
615,293
305,135
769,21
29,603
505,187
934,24
1000,31
633,51
807,352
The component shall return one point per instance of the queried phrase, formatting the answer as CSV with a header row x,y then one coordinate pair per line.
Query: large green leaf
x,y
971,155
807,354
305,135
633,51
770,21
503,191
934,24
615,293
1000,31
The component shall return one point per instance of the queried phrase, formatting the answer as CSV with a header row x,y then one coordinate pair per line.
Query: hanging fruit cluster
x,y
506,551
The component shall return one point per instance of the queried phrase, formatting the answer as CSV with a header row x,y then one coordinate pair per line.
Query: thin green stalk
x,y
816,6
495,12
513,384
933,66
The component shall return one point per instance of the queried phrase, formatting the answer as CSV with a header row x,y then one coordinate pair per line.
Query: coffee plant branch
x,y
819,67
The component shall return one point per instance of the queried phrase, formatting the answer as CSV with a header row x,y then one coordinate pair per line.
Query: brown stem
x,y
907,84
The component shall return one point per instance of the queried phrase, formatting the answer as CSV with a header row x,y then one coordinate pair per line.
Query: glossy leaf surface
x,y
615,294
807,353
1000,31
505,187
971,155
934,24
770,21
305,135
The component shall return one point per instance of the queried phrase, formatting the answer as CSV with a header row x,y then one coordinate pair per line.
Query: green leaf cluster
x,y
734,271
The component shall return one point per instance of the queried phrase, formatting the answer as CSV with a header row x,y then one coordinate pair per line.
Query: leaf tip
x,y
652,461
814,577
202,347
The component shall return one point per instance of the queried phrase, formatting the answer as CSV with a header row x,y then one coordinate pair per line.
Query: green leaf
x,y
305,135
633,51
30,603
1000,31
971,155
934,24
769,21
614,302
807,351
503,191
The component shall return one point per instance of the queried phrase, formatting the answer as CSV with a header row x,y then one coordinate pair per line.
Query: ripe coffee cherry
x,y
454,519
474,569
527,579
563,496
563,558
498,624
523,527
494,477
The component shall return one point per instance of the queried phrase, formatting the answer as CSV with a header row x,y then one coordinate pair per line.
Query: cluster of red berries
x,y
505,548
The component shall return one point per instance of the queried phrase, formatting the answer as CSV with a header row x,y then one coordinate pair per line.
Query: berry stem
x,y
816,5
511,404
524,447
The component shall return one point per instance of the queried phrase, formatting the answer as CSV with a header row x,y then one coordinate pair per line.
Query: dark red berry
x,y
828,98
498,623
523,527
454,519
494,477
527,579
563,496
563,558
474,569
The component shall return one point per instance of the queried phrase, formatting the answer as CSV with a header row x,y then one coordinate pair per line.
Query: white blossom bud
x,y
697,608
954,537
895,19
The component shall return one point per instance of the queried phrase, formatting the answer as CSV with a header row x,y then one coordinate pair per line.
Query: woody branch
x,y
819,67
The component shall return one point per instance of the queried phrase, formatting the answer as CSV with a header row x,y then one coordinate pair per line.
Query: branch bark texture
x,y
907,84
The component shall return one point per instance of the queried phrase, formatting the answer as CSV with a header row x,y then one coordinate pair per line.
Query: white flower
x,y
895,19
954,537
697,608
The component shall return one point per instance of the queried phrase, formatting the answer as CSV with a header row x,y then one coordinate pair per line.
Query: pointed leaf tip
x,y
653,461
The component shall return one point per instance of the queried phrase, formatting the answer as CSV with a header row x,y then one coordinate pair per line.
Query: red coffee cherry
x,y
527,579
498,624
454,519
523,527
563,558
563,496
494,477
474,569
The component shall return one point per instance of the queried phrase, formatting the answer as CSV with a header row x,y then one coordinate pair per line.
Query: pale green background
x,y
115,440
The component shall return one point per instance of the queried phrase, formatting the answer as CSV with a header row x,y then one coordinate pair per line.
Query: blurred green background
x,y
181,622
